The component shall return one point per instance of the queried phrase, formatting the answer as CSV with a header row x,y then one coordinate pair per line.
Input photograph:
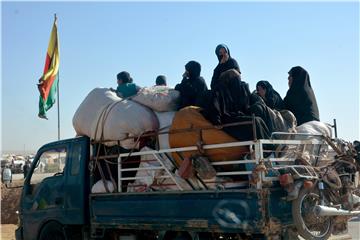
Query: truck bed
x,y
260,207
216,211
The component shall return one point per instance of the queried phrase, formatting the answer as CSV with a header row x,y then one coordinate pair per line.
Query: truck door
x,y
43,194
77,186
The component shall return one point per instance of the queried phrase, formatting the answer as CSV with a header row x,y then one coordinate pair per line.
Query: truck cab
x,y
55,195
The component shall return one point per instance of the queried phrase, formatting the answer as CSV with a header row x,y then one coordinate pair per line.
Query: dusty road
x,y
354,229
8,232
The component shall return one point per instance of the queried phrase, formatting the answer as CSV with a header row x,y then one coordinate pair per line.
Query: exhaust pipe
x,y
320,210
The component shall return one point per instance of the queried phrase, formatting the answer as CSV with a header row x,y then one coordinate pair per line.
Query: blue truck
x,y
60,202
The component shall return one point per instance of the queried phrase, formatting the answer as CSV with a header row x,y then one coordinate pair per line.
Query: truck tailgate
x,y
226,211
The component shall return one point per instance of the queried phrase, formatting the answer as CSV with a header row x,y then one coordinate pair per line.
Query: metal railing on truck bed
x,y
256,168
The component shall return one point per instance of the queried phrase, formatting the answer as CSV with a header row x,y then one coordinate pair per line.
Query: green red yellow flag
x,y
49,80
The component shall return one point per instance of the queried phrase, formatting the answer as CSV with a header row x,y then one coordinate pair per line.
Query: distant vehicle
x,y
17,166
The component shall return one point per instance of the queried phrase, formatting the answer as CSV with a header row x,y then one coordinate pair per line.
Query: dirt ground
x,y
10,198
8,231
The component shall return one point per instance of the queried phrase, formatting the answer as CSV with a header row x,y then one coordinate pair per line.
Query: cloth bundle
x,y
104,116
158,98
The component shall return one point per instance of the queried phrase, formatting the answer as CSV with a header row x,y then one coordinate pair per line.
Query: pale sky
x,y
98,40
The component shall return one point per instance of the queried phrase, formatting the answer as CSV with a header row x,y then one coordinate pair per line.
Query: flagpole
x,y
58,88
58,104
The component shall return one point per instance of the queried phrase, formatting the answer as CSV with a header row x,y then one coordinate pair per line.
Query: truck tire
x,y
52,231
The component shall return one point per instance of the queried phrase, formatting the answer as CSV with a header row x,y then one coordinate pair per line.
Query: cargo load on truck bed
x,y
132,126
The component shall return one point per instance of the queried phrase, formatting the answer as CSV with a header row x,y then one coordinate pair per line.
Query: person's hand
x,y
224,58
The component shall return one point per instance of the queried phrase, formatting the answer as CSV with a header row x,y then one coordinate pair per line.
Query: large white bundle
x,y
89,111
315,127
165,121
158,98
103,115
129,117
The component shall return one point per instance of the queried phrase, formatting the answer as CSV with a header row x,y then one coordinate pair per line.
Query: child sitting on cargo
x,y
160,80
126,88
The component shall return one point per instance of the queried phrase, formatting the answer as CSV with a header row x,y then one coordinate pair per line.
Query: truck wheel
x,y
52,231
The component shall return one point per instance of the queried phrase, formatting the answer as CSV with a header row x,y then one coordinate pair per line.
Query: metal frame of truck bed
x,y
266,210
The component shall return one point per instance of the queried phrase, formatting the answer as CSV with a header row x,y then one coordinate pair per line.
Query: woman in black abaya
x,y
226,62
271,97
300,98
230,103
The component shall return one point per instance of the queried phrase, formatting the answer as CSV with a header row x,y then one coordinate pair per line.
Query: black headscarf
x,y
300,98
222,67
194,69
272,98
217,50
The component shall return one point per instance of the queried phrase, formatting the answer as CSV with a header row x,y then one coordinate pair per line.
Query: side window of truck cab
x,y
47,172
51,163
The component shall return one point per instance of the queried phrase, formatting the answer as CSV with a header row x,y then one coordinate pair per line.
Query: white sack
x,y
99,187
90,109
165,120
103,112
158,98
315,127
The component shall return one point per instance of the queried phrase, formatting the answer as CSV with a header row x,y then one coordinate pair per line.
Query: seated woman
x,y
192,86
271,97
300,98
276,121
230,103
